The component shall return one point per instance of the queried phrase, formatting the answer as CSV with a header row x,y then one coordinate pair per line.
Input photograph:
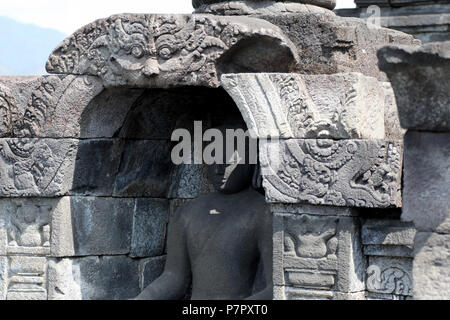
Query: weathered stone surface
x,y
64,280
382,296
25,226
168,50
427,68
27,278
86,226
388,233
36,167
330,44
393,130
366,3
309,294
390,276
96,166
341,106
426,181
3,277
431,267
48,106
144,170
151,269
105,115
150,220
427,22
314,210
264,7
94,278
158,112
353,173
102,167
317,253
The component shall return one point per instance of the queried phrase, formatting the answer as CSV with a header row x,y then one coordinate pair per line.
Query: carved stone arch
x,y
160,51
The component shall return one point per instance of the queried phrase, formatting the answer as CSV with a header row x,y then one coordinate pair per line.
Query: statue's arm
x,y
174,281
265,245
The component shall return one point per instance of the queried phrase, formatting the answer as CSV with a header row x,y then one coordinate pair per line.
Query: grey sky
x,y
69,15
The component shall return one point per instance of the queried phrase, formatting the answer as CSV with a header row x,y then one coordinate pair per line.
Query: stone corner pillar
x,y
420,77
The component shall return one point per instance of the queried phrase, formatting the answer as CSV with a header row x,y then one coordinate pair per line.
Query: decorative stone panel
x,y
353,173
388,245
316,256
161,51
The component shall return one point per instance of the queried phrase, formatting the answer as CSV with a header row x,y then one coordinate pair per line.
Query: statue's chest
x,y
226,235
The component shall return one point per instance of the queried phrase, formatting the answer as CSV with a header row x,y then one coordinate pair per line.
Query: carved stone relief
x,y
355,173
166,50
25,244
340,106
36,167
48,106
316,256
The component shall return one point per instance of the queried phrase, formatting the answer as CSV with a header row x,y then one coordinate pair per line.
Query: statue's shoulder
x,y
197,203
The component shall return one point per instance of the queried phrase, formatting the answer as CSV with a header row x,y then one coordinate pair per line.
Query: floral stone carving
x,y
354,173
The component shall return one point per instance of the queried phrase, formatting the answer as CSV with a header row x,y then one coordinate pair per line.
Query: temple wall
x,y
87,183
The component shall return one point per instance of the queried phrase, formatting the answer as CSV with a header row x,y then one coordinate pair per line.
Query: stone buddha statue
x,y
220,241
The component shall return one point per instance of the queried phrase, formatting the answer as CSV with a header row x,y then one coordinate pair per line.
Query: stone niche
x,y
87,187
87,184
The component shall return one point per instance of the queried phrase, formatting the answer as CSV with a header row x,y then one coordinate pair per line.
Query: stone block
x,y
27,278
338,106
264,7
151,269
94,278
393,129
318,253
36,167
426,181
106,114
25,226
330,44
387,235
145,169
84,226
307,294
64,276
347,173
171,50
314,210
390,276
427,22
150,219
431,266
329,4
3,277
427,68
96,166
47,106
